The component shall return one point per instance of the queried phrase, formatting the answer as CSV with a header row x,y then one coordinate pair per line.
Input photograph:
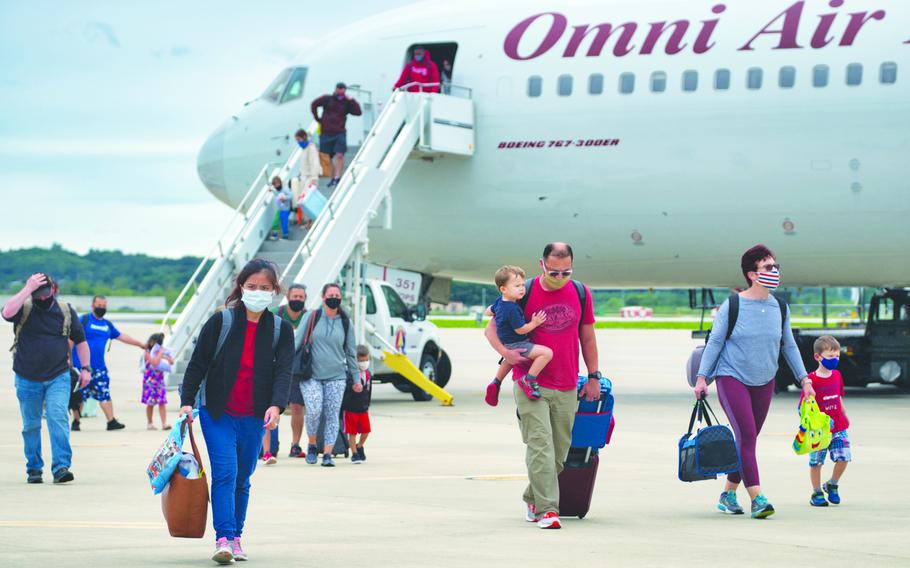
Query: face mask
x,y
99,312
295,305
830,364
339,97
256,300
44,304
770,280
333,303
303,143
554,283
418,58
364,365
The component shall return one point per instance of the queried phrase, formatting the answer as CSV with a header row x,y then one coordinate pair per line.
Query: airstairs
x,y
410,125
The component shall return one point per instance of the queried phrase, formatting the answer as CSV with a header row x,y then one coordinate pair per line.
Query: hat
x,y
341,85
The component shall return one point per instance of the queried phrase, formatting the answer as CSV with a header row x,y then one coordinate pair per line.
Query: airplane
x,y
660,138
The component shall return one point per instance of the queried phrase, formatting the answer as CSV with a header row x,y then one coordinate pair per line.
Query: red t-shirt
x,y
240,401
828,394
559,332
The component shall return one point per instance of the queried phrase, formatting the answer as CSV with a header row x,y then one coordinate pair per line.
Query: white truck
x,y
405,328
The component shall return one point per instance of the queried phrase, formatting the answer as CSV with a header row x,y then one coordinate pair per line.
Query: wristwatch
x,y
89,369
595,375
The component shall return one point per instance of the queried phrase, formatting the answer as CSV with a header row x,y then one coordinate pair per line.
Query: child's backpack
x,y
814,428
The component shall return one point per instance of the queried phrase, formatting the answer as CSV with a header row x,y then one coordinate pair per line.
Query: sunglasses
x,y
767,267
556,273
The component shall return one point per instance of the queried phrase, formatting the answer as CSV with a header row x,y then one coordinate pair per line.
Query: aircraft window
x,y
397,309
596,84
295,85
754,78
276,88
627,83
888,73
689,81
371,302
820,76
564,85
535,86
658,82
787,77
722,79
854,74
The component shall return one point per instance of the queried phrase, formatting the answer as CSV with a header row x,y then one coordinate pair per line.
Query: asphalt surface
x,y
442,486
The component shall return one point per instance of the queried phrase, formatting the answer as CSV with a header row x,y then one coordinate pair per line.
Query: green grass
x,y
689,325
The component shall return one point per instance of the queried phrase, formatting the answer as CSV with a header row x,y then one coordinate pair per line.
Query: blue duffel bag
x,y
711,451
594,419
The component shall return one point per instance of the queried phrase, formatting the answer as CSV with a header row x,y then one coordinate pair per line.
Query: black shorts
x,y
296,397
332,144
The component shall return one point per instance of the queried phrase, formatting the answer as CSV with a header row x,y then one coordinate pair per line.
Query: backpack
x,y
84,321
579,288
227,319
303,360
694,361
27,311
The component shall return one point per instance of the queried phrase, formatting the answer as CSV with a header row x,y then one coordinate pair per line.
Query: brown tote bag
x,y
325,163
185,502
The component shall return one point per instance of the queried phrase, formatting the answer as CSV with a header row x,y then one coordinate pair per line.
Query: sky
x,y
104,105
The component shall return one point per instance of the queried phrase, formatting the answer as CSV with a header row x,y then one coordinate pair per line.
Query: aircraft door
x,y
443,55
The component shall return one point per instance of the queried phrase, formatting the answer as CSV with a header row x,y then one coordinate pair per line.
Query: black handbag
x,y
303,362
711,451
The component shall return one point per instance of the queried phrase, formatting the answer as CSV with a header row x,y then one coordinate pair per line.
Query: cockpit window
x,y
276,88
295,85
287,86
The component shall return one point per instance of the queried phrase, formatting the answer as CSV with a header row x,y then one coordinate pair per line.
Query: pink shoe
x,y
549,521
269,459
531,515
492,397
223,553
238,552
529,388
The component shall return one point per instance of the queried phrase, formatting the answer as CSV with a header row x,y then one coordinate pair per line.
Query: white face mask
x,y
364,365
257,300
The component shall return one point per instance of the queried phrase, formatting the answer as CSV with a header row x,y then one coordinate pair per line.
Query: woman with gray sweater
x,y
744,365
334,365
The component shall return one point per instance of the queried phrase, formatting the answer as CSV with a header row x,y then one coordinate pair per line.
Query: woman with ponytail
x,y
242,378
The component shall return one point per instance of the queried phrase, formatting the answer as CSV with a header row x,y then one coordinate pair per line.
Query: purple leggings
x,y
746,408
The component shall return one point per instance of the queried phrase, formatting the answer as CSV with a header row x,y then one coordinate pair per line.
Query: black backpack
x,y
303,360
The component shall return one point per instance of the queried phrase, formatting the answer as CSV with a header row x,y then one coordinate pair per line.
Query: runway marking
x,y
494,477
83,525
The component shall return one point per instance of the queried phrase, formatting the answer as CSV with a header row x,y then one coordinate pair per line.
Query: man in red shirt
x,y
418,71
546,424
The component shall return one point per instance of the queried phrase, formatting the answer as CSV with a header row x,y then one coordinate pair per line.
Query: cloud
x,y
179,50
94,32
287,49
85,147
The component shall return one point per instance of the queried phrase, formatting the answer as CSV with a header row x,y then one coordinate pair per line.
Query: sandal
x,y
165,426
150,426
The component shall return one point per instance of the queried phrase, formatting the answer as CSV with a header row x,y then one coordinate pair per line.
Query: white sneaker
x,y
531,514
549,520
237,550
223,553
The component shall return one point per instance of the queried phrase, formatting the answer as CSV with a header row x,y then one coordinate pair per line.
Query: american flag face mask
x,y
770,280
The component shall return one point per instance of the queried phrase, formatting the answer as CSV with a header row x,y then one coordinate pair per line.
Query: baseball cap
x,y
340,85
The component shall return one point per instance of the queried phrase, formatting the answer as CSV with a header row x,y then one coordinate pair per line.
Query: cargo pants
x,y
546,430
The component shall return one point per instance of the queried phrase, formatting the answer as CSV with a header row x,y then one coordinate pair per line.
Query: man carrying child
x,y
546,423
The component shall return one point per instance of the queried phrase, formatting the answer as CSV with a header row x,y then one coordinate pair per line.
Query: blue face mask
x,y
418,58
830,364
303,143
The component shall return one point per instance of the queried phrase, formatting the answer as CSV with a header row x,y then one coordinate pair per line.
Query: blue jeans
x,y
233,443
283,216
33,397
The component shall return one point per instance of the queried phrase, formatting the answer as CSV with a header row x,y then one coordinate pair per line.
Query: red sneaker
x,y
549,521
528,388
492,397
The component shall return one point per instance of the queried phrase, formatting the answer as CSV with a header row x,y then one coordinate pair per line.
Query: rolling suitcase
x,y
592,430
341,441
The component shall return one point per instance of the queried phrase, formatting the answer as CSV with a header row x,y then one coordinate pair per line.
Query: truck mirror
x,y
420,312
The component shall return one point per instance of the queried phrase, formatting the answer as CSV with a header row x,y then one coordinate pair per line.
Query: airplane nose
x,y
210,164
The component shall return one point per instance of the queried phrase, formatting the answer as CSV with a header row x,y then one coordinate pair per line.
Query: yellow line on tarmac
x,y
82,525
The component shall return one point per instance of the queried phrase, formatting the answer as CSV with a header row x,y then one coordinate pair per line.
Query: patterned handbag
x,y
814,428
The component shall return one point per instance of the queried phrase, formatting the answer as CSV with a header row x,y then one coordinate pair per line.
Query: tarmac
x,y
442,485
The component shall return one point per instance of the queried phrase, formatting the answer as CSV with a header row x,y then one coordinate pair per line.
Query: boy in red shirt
x,y
829,392
356,404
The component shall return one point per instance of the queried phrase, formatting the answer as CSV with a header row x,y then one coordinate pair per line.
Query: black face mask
x,y
99,312
333,303
44,304
295,305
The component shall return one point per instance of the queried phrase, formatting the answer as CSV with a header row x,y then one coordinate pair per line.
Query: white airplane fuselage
x,y
652,189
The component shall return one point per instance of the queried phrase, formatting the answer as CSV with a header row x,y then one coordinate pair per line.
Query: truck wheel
x,y
402,385
428,368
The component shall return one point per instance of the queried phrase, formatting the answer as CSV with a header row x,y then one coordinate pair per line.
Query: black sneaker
x,y
35,476
115,425
363,455
63,475
327,461
76,426
334,182
355,457
296,451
